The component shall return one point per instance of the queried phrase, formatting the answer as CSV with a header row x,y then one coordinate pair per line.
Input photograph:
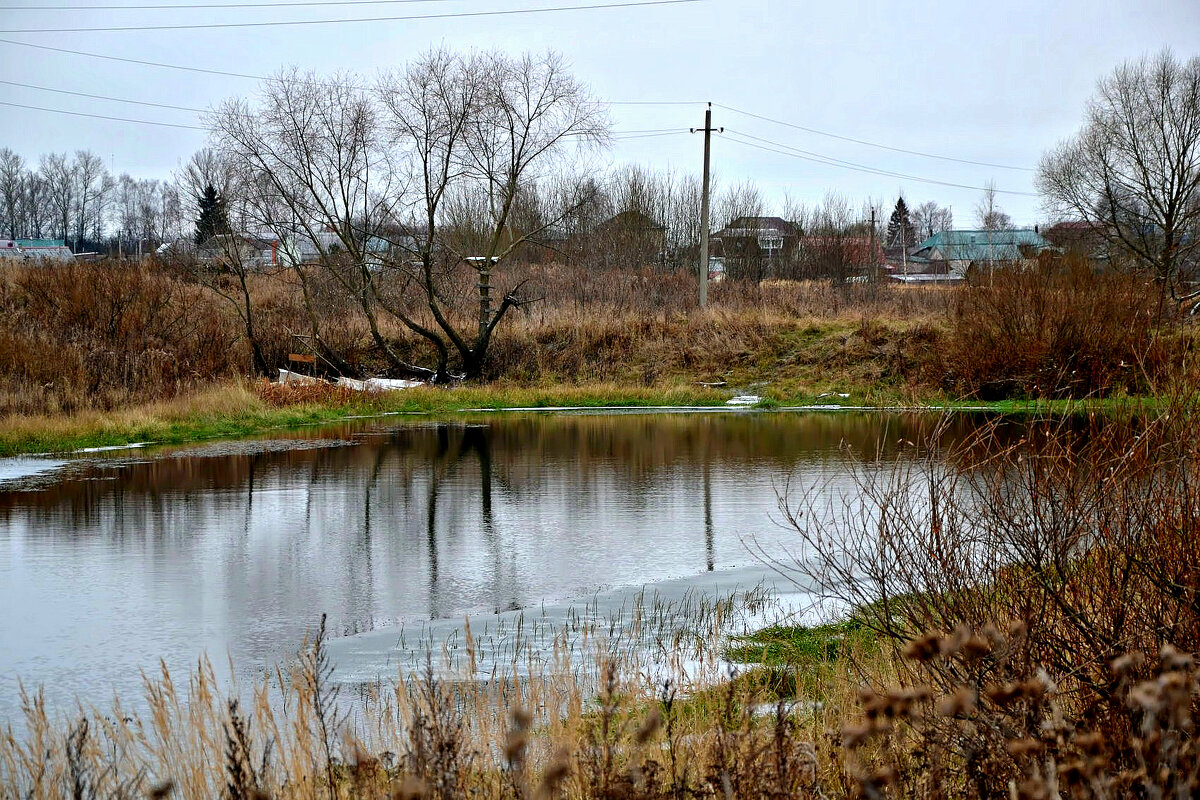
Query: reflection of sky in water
x,y
13,469
239,549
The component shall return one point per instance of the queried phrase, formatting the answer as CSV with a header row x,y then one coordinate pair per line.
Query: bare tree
x,y
139,212
93,185
59,178
834,245
988,212
207,167
473,133
310,174
35,213
929,218
1133,170
738,201
12,174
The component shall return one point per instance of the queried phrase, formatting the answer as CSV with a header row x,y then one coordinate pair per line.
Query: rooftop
x,y
979,245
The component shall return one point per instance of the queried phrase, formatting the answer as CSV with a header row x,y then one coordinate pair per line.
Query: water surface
x,y
110,563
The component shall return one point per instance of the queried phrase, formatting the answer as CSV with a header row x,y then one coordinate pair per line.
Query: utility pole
x,y
874,273
708,130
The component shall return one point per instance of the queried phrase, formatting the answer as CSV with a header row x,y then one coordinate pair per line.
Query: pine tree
x,y
213,219
901,226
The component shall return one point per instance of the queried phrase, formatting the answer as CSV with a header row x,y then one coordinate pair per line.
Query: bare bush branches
x,y
1133,171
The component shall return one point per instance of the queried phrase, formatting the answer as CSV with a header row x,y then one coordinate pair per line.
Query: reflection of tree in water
x,y
428,499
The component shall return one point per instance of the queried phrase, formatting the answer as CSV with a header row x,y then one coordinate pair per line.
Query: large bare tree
x,y
1133,170
58,177
930,218
475,134
408,195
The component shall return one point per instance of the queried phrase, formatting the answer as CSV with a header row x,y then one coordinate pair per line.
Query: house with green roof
x,y
953,253
35,250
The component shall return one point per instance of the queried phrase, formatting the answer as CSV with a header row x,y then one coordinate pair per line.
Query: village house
x,y
239,250
1080,238
636,233
950,255
39,251
755,247
309,249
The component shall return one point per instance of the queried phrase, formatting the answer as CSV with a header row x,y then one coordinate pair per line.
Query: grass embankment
x,y
240,409
786,362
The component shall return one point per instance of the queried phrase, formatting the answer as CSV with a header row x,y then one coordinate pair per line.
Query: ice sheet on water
x,y
659,625
15,469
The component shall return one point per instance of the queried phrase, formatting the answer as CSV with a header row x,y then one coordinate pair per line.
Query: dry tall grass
x,y
1061,330
108,335
615,707
99,336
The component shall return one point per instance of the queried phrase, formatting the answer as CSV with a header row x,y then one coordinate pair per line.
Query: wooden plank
x,y
303,359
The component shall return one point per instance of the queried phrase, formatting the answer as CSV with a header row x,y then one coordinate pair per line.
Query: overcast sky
x,y
996,82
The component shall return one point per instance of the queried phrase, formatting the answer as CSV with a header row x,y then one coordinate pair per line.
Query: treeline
x,y
77,199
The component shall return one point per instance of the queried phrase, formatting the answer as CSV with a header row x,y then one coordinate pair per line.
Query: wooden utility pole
x,y
873,275
708,131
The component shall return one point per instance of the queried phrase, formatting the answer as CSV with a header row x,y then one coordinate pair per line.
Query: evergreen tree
x,y
900,232
213,219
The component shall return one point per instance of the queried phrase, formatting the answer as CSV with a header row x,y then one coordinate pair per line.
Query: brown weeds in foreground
x,y
565,731
1064,560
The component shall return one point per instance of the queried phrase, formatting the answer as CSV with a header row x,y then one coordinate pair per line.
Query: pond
x,y
112,562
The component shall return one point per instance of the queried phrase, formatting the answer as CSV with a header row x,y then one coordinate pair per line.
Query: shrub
x,y
1063,556
1058,329
102,334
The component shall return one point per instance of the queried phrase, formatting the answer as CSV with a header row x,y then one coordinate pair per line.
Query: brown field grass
x,y
104,336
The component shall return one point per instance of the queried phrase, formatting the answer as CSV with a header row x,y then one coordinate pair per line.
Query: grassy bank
x,y
242,409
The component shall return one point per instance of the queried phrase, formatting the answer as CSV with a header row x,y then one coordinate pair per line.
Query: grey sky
x,y
995,82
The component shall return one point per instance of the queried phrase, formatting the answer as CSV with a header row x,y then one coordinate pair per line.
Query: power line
x,y
620,138
149,63
339,21
872,144
247,76
105,97
103,116
192,110
291,4
644,133
832,162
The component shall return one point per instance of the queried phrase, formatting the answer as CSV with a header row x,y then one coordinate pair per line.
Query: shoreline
x,y
236,410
